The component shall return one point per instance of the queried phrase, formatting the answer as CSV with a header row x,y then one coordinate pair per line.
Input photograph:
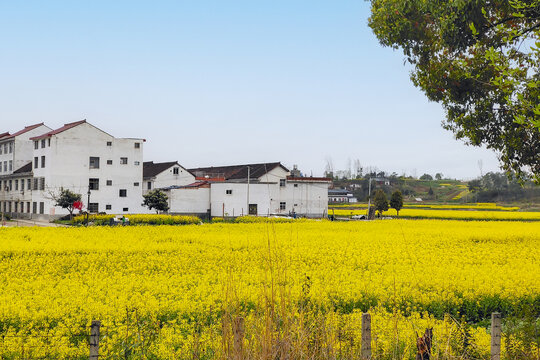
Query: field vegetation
x,y
169,292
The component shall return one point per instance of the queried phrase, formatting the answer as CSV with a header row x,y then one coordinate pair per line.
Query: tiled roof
x,y
151,169
25,169
59,130
26,129
237,172
310,178
4,135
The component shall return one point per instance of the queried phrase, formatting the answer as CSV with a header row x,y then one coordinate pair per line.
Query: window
x,y
35,187
123,193
281,182
295,185
10,185
175,171
16,207
137,163
93,184
228,192
43,161
16,185
43,143
93,207
135,184
94,162
49,142
5,166
1,149
41,207
42,183
137,145
125,209
22,207
10,147
109,162
36,144
282,205
34,207
10,165
109,143
28,186
109,182
123,160
28,207
149,185
108,207
36,162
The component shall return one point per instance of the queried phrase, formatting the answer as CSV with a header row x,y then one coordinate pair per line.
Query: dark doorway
x,y
252,209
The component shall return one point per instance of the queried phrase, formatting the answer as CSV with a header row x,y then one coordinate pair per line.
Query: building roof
x,y
237,172
25,130
25,169
195,185
151,169
59,130
3,135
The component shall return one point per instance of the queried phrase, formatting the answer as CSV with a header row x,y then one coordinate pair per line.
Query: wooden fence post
x,y
366,336
94,339
238,331
495,336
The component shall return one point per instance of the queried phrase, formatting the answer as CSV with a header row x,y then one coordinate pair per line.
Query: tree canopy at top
x,y
480,59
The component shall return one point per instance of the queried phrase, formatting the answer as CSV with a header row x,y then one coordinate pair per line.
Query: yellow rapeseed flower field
x,y
449,214
164,292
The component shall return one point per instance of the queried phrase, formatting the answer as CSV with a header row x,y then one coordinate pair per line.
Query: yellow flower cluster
x,y
161,291
140,219
449,214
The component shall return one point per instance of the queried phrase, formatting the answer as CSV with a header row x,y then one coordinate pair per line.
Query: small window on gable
x,y
109,143
228,192
175,171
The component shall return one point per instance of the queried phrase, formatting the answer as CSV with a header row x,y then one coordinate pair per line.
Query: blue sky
x,y
225,82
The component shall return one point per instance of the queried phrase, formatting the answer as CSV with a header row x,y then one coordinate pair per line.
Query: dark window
x,y
281,182
93,207
109,162
123,160
42,183
123,193
49,142
43,143
36,144
109,182
125,209
295,185
282,205
36,162
34,207
149,185
28,207
94,162
108,207
36,180
29,185
228,192
10,185
137,163
41,207
109,143
135,184
93,184
43,161
16,185
175,171
137,145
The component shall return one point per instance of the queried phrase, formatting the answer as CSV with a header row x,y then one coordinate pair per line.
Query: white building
x,y
83,158
226,191
160,175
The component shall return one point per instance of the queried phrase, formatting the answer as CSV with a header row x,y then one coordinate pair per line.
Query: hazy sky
x,y
225,82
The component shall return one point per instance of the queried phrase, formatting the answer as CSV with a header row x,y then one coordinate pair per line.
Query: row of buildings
x,y
111,175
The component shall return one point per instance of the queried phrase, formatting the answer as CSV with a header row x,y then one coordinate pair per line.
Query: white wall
x,y
67,165
189,200
168,178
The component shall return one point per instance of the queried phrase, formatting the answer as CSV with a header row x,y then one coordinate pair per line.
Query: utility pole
x,y
248,190
369,196
88,208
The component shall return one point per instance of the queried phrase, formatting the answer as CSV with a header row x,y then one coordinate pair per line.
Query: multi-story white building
x,y
85,159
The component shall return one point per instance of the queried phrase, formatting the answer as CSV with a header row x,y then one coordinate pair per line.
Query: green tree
x,y
380,201
438,176
480,59
66,199
426,177
156,199
396,201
